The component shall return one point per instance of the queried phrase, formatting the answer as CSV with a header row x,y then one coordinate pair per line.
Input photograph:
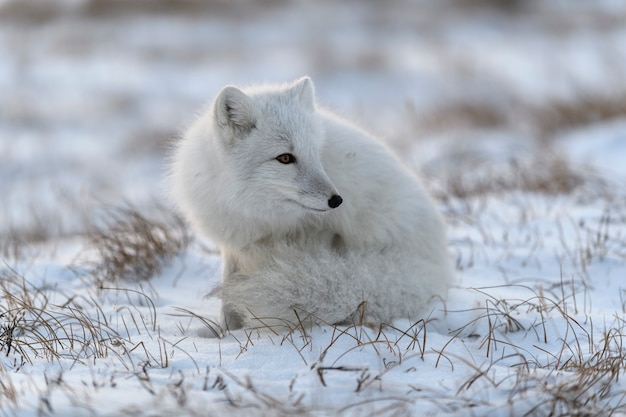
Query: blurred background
x,y
93,91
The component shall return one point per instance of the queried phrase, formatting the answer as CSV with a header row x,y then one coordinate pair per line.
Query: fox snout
x,y
335,201
317,191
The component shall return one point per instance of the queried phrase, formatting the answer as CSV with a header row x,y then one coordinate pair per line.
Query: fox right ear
x,y
305,92
234,111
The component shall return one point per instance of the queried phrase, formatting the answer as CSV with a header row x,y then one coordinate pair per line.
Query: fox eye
x,y
286,158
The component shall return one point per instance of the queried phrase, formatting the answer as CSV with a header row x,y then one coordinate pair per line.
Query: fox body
x,y
315,219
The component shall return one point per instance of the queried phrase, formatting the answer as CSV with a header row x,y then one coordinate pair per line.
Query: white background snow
x,y
484,99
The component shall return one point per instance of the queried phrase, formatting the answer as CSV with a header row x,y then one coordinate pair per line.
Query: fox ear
x,y
234,111
304,91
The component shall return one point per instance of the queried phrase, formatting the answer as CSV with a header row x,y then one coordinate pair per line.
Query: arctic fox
x,y
315,219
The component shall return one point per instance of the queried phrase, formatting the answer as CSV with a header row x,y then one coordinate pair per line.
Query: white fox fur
x,y
261,174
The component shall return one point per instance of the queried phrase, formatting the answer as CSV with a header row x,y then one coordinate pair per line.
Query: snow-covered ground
x,y
513,112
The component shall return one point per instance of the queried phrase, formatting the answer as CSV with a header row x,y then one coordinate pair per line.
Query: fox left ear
x,y
234,111
305,92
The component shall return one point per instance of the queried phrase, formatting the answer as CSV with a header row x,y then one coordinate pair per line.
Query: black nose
x,y
335,201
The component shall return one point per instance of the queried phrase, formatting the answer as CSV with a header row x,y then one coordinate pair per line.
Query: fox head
x,y
271,140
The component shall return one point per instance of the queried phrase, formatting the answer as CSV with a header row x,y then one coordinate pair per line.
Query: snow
x,y
91,97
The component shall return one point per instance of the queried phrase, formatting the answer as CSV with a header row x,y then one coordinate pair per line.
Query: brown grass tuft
x,y
541,121
546,173
464,114
132,247
584,109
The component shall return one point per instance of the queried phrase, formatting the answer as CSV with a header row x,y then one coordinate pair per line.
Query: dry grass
x,y
17,240
569,368
539,164
577,379
546,173
333,346
39,323
131,247
584,109
40,12
14,243
542,121
582,382
461,114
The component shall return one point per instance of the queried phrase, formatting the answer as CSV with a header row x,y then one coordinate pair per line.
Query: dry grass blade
x,y
212,325
8,392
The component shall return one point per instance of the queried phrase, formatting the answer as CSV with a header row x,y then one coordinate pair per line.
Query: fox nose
x,y
335,201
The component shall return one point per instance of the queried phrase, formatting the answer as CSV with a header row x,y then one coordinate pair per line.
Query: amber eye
x,y
286,158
